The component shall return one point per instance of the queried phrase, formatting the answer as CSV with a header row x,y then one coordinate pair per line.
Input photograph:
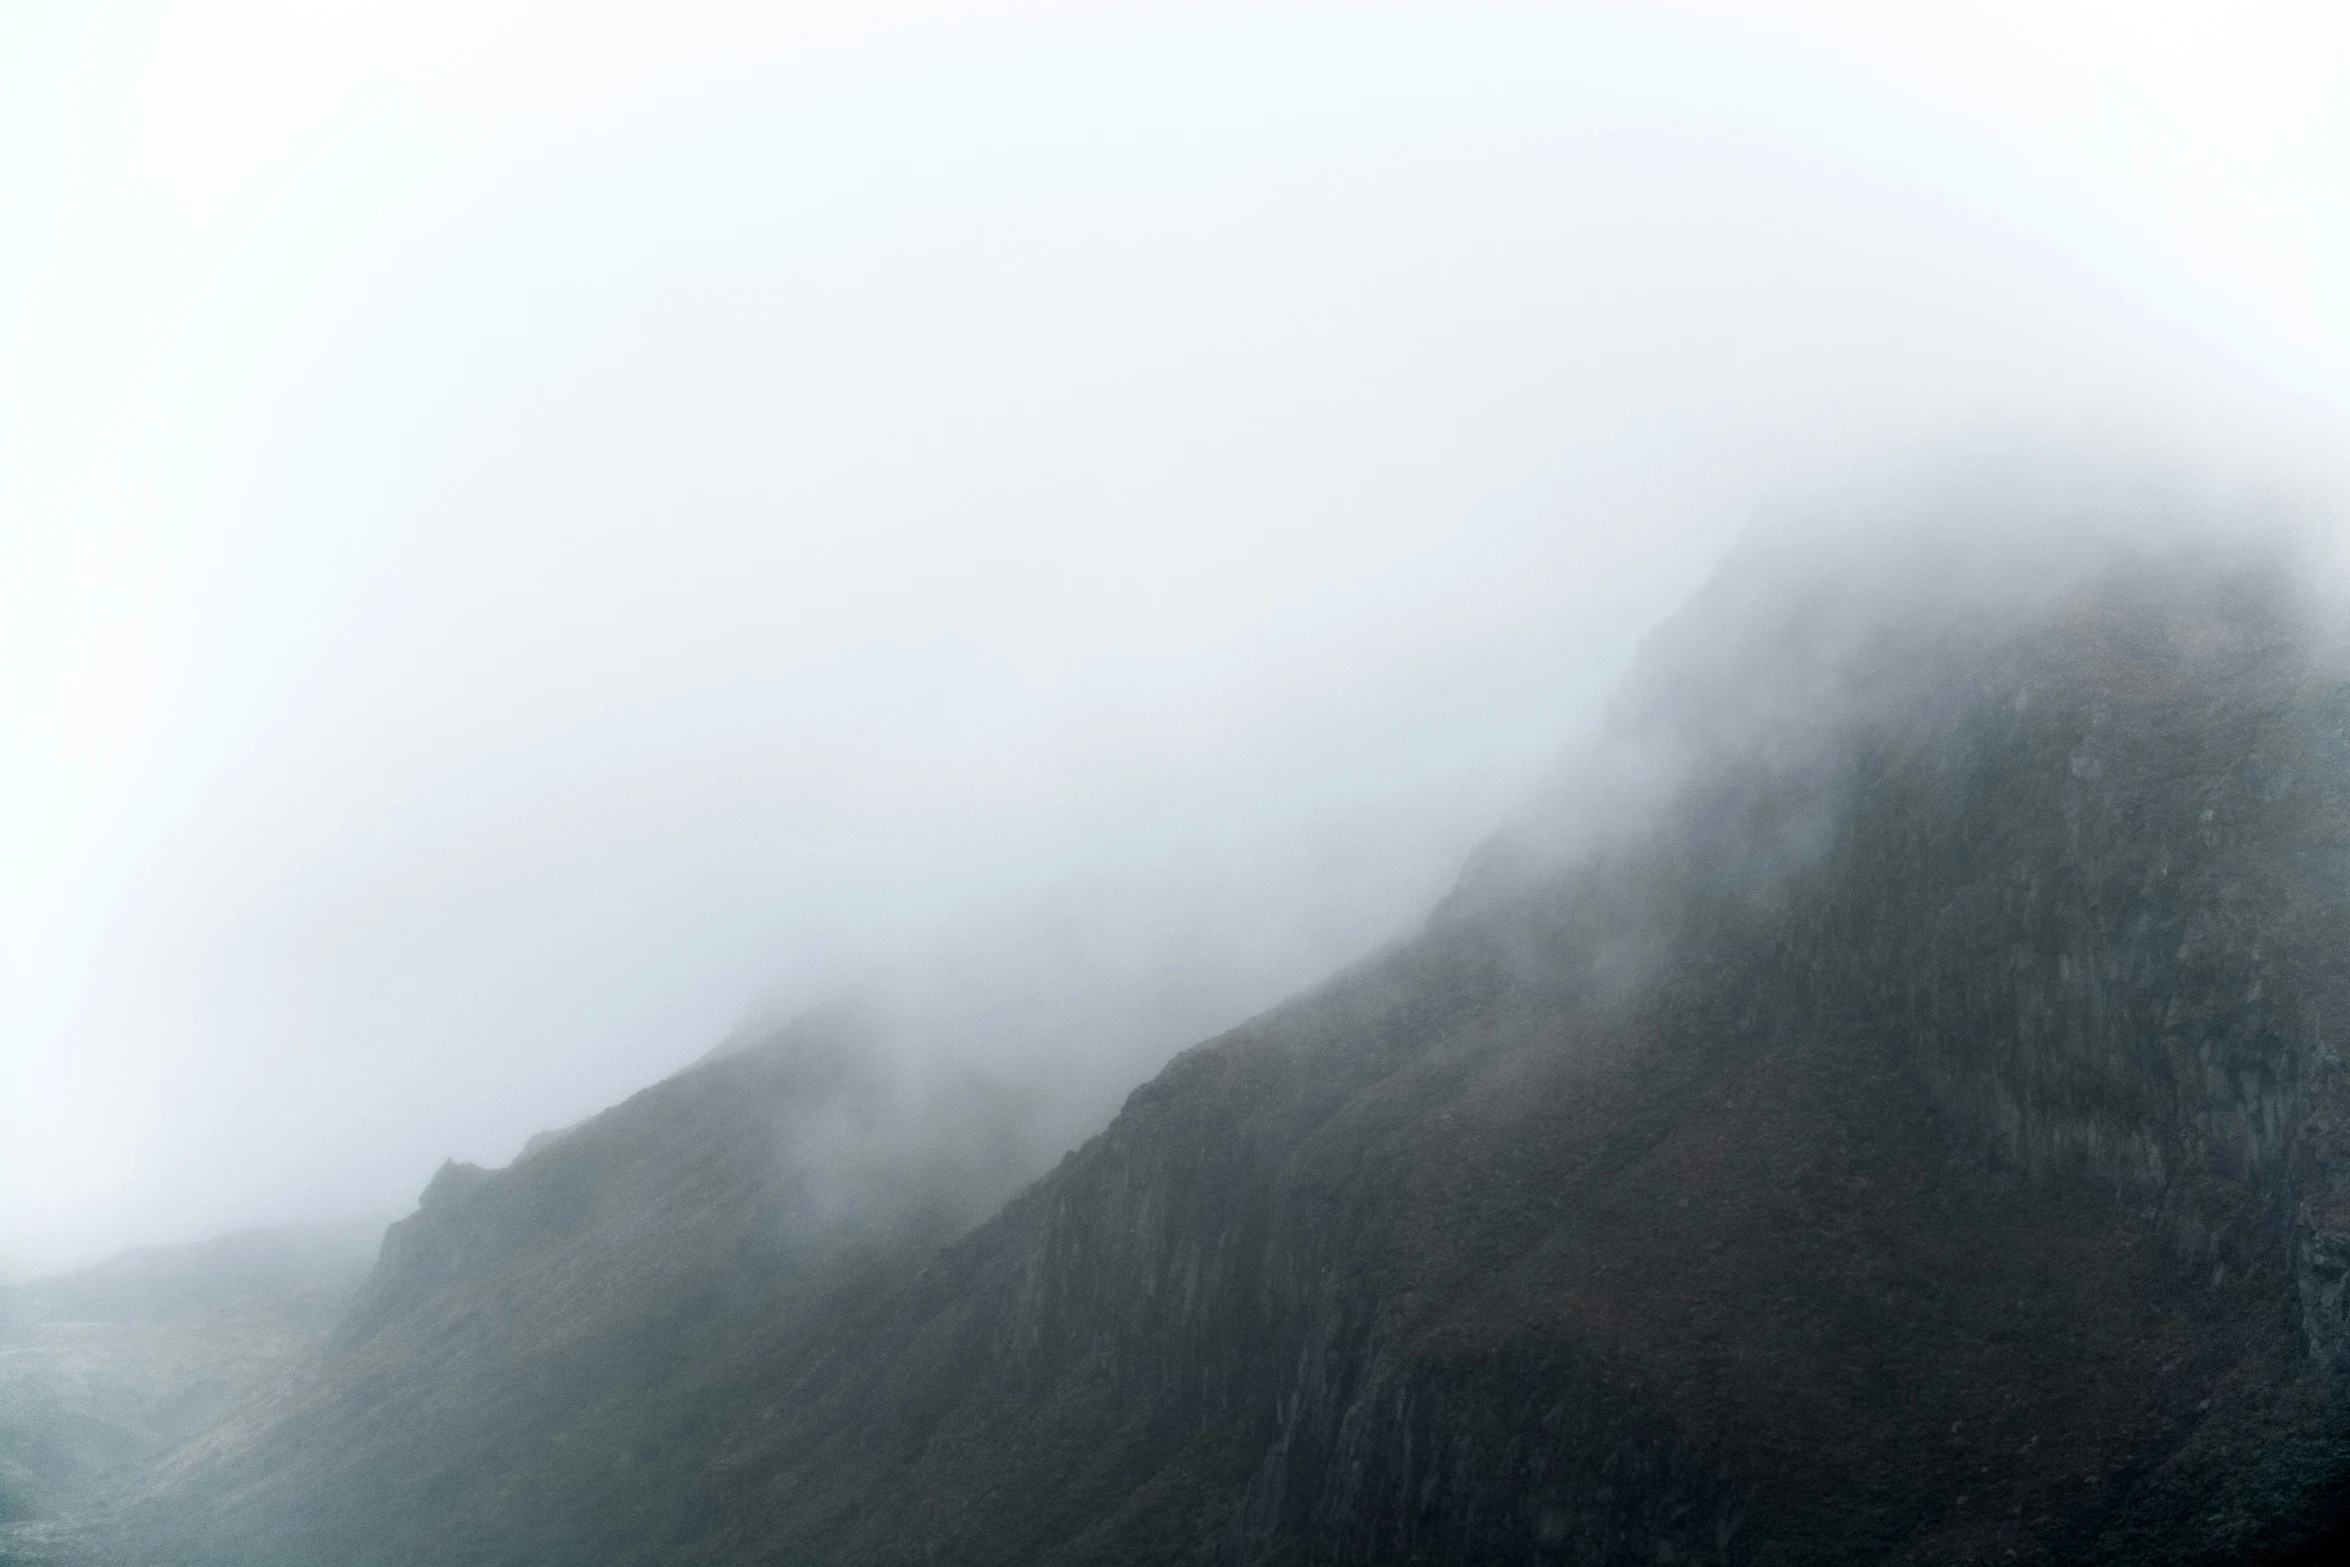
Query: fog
x,y
532,534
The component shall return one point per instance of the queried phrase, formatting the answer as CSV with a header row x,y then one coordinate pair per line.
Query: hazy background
x,y
526,528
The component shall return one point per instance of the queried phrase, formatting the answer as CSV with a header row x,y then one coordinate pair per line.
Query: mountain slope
x,y
104,1369
1890,1109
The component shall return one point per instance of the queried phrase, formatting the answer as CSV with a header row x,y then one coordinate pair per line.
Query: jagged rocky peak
x,y
452,1183
764,1125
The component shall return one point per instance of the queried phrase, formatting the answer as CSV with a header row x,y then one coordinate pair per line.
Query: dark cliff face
x,y
1894,1112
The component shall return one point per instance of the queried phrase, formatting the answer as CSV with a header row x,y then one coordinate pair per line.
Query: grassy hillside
x,y
103,1370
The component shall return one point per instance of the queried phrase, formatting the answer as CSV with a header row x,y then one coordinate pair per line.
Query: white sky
x,y
523,525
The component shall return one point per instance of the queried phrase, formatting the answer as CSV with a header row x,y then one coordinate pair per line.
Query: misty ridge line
x,y
1874,604
1870,985
706,501
995,1055
1048,1021
1179,785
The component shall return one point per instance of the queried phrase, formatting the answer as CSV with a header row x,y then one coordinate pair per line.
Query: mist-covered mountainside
x,y
103,1370
1887,1107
